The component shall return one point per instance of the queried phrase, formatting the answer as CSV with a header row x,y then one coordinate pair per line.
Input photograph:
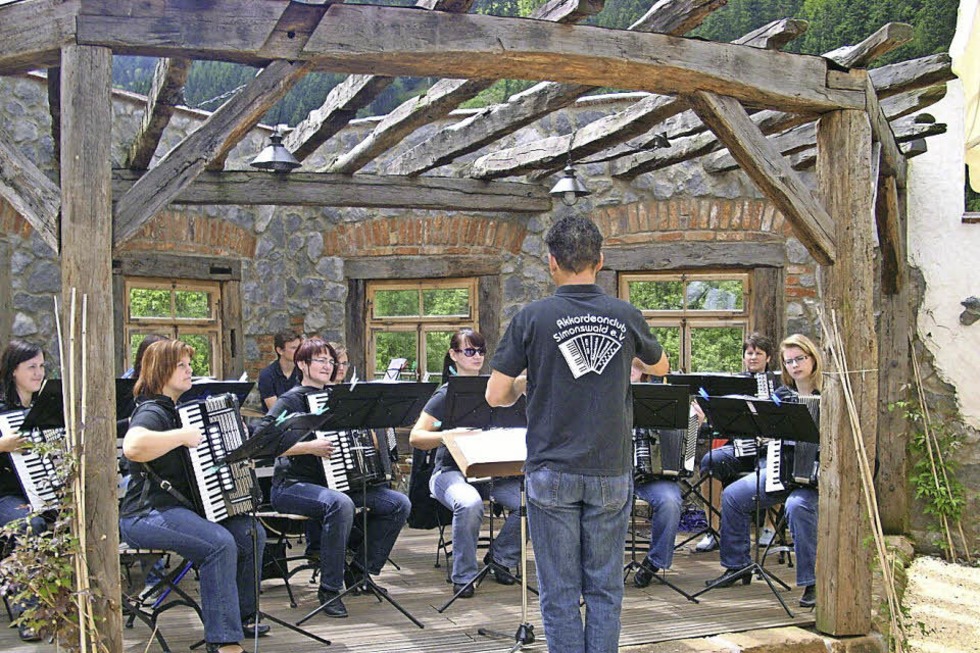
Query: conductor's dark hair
x,y
281,338
16,352
459,341
575,242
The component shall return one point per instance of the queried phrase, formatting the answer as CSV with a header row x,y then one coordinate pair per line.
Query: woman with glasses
x,y
299,486
801,374
467,352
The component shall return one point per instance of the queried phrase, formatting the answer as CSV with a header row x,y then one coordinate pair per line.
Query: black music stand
x,y
47,411
272,440
467,407
372,406
657,406
714,385
759,419
205,389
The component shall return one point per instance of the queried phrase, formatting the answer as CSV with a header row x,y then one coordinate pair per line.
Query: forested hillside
x,y
832,23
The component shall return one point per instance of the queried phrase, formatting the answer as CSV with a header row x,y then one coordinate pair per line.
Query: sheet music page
x,y
491,446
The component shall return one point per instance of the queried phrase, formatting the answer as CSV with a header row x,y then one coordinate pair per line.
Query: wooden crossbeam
x,y
880,42
444,96
364,190
804,136
350,96
770,172
676,17
218,134
32,33
905,130
29,191
404,41
552,153
165,94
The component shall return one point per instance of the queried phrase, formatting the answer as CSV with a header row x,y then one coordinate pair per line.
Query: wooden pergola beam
x,y
373,191
403,41
32,34
350,96
444,96
906,130
892,161
551,153
165,94
770,172
218,134
29,191
676,17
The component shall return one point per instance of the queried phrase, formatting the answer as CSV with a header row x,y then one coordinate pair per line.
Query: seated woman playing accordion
x,y
156,513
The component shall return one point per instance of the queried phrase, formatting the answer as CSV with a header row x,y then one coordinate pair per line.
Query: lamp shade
x,y
569,188
275,156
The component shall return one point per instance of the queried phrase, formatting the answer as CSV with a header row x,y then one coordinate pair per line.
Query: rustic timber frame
x,y
704,90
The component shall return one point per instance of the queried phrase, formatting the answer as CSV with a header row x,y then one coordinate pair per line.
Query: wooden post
x,y
895,314
86,265
843,554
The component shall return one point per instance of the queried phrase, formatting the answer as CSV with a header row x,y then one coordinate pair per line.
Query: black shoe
x,y
644,574
729,578
336,609
249,628
467,590
809,598
352,579
502,575
28,634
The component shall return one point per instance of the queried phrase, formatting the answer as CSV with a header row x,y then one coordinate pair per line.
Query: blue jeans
x,y
664,497
451,489
13,507
737,514
578,529
222,552
724,465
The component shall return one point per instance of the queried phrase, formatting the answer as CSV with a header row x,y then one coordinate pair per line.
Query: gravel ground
x,y
943,604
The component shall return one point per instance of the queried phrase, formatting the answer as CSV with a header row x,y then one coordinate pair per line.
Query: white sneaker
x,y
708,543
766,537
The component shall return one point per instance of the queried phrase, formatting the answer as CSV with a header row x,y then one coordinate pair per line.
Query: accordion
x,y
225,490
356,461
664,453
36,473
745,447
794,464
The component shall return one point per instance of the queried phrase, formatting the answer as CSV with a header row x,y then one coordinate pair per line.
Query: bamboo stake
x,y
832,335
83,464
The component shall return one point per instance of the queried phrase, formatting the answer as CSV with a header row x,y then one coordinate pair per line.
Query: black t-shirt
x,y
273,383
157,414
9,485
296,469
436,406
577,347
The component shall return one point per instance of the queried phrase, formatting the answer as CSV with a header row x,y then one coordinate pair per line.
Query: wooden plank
x,y
35,197
169,266
54,108
404,41
491,306
804,136
683,255
770,172
550,154
32,33
843,556
892,161
768,301
906,130
444,96
322,189
675,17
905,76
350,96
6,292
86,266
355,331
419,267
218,134
293,28
165,94
232,330
887,38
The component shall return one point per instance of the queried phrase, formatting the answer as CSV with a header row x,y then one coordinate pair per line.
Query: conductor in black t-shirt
x,y
577,348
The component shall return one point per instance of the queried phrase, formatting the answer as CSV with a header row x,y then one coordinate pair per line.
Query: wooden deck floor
x,y
650,615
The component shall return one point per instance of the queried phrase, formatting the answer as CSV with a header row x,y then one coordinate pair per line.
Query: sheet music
x,y
471,449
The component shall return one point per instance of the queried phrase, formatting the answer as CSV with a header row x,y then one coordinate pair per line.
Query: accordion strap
x,y
166,486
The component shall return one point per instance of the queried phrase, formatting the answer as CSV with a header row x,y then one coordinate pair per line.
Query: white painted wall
x,y
948,253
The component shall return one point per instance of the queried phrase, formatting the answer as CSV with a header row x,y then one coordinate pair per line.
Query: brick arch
x,y
188,233
445,234
693,219
11,221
